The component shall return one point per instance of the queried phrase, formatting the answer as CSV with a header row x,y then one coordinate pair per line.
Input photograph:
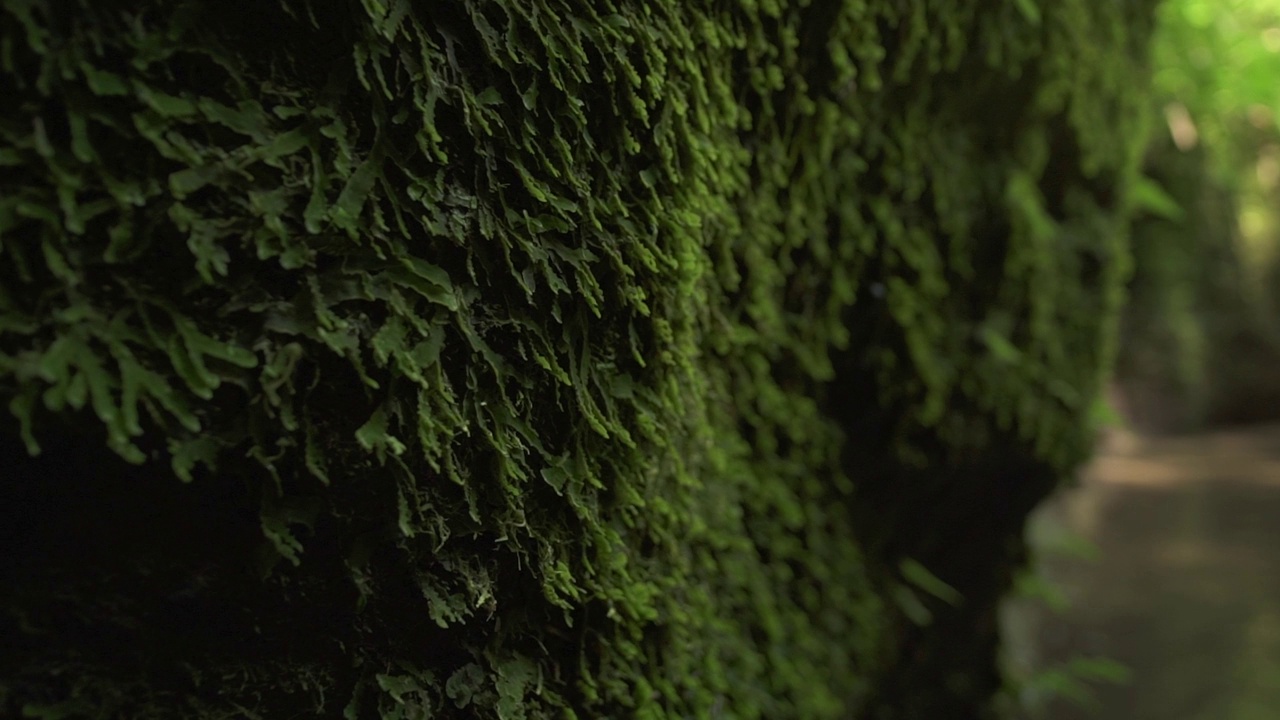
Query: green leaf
x,y
199,345
189,452
1100,669
1025,201
275,528
22,406
104,83
165,105
284,145
445,608
515,676
350,203
373,435
911,606
465,684
1030,10
184,182
427,280
57,264
1060,683
1034,586
916,574
248,118
489,96
401,687
999,345
389,340
1150,197
314,457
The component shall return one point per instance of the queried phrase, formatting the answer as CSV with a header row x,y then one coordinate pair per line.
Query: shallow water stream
x,y
1167,559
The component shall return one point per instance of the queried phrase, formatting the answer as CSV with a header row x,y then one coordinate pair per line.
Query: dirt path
x,y
1185,589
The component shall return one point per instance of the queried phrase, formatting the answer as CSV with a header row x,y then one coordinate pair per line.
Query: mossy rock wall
x,y
544,359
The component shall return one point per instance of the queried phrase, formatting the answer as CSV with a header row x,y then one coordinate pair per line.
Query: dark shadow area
x,y
116,576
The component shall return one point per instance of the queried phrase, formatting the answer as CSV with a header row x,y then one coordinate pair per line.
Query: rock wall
x,y
507,359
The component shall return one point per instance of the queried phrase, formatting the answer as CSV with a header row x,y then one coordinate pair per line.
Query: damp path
x,y
1185,586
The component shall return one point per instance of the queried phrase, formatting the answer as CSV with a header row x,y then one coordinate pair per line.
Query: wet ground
x,y
1184,587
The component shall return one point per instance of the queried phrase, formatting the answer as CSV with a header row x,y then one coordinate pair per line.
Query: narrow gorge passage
x,y
1184,587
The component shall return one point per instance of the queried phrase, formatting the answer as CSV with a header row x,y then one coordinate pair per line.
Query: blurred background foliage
x,y
1201,342
1200,337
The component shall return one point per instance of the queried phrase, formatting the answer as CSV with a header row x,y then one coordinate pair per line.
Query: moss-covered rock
x,y
514,359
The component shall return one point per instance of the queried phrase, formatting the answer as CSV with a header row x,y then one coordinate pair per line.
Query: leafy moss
x,y
568,354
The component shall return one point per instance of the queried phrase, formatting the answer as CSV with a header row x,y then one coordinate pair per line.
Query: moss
x,y
515,360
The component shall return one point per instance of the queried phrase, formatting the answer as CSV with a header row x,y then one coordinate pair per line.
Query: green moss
x,y
562,358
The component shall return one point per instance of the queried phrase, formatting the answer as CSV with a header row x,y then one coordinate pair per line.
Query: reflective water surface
x,y
1184,587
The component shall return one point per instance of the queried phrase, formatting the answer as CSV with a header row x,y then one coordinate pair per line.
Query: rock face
x,y
525,359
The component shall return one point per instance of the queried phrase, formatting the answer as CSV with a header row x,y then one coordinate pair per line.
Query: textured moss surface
x,y
541,359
